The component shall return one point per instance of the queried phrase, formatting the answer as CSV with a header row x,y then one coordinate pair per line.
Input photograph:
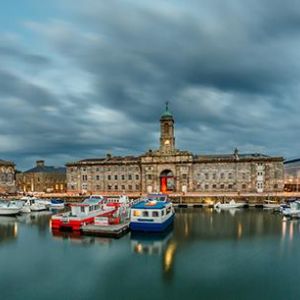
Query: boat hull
x,y
9,211
152,227
75,224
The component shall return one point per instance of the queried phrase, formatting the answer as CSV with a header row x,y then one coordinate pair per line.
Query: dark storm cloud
x,y
229,68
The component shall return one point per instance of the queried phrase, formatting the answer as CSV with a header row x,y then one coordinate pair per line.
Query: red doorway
x,y
167,182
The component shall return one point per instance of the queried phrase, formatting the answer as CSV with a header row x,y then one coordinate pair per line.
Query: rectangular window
x,y
123,187
206,176
116,177
184,176
214,186
230,186
230,175
108,177
149,176
222,186
136,213
145,213
137,177
155,214
109,187
243,186
222,175
116,187
206,186
97,177
129,177
214,176
137,187
123,177
130,187
82,209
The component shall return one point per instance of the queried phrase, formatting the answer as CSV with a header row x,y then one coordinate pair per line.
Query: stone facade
x,y
7,177
170,170
42,179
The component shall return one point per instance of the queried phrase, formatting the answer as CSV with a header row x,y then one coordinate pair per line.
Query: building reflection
x,y
8,229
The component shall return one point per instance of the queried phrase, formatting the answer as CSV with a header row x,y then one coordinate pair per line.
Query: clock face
x,y
167,142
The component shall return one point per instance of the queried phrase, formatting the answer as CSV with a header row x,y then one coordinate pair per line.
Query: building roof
x,y
149,205
241,157
46,169
6,162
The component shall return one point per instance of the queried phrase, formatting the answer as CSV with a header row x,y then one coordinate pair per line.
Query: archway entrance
x,y
167,181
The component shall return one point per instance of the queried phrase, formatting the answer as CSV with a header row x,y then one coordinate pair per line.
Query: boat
x,y
151,216
293,211
57,203
10,208
117,201
229,205
82,214
271,204
33,205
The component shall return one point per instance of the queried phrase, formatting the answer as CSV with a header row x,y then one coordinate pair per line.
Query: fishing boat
x,y
231,204
82,214
151,216
271,204
10,208
117,201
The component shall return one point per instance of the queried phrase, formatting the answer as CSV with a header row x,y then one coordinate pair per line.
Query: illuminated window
x,y
136,213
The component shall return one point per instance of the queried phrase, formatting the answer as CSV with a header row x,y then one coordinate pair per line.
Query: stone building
x,y
7,177
292,175
168,169
42,178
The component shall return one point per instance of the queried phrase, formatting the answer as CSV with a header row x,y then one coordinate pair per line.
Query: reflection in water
x,y
149,244
8,229
75,237
168,258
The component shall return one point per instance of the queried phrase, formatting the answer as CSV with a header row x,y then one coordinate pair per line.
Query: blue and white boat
x,y
57,203
151,216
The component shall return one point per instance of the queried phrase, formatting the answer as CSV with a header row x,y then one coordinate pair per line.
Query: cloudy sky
x,y
80,79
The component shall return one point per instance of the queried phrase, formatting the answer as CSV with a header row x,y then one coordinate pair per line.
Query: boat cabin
x,y
88,206
151,211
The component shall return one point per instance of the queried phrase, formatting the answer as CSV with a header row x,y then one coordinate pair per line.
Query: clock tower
x,y
167,139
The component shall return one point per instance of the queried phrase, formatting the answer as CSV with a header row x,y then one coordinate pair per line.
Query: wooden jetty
x,y
115,231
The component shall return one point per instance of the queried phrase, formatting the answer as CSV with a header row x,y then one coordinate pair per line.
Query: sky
x,y
79,79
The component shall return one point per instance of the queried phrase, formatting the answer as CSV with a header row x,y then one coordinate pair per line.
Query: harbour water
x,y
235,254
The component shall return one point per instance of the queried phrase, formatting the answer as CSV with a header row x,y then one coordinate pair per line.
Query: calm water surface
x,y
242,254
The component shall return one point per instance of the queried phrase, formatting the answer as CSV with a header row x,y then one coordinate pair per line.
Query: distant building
x,y
7,177
292,175
42,178
171,170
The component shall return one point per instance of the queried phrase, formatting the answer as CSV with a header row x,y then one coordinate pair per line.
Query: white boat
x,y
10,208
231,204
34,205
271,204
293,211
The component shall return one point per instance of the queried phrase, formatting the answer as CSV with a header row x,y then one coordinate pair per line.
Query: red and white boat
x,y
82,214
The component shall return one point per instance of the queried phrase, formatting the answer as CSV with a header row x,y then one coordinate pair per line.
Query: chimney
x,y
40,163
